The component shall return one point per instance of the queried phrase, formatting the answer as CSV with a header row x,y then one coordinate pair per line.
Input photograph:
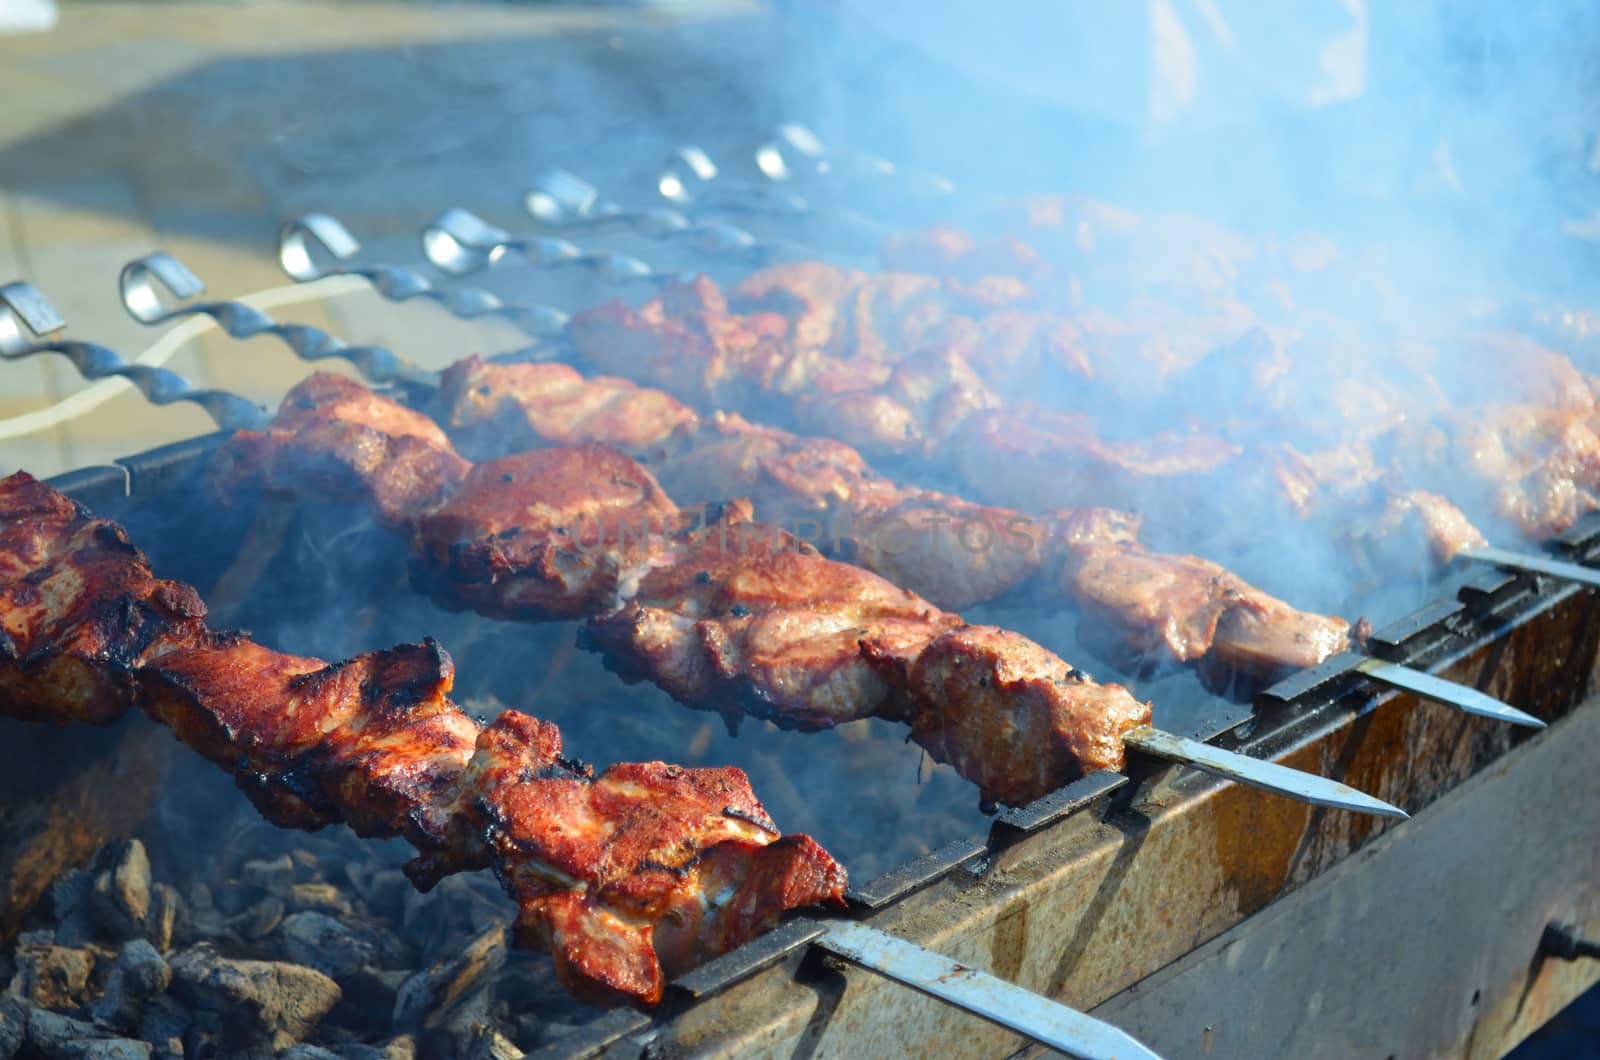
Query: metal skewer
x,y
1534,564
1449,693
317,245
1257,773
460,242
22,306
563,200
981,994
141,277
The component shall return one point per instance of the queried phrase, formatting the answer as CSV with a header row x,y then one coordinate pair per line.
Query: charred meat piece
x,y
553,533
79,609
340,439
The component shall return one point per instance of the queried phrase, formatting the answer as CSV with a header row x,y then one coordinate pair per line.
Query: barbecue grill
x,y
1198,915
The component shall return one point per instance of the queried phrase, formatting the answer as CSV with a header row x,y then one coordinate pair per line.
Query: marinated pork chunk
x,y
553,533
79,609
628,878
340,439
494,409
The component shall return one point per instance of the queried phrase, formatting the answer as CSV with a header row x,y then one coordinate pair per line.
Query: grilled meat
x,y
1142,605
491,410
945,548
723,612
79,609
628,877
346,442
553,533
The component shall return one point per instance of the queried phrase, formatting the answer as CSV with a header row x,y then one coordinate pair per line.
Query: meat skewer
x,y
1189,607
627,877
729,614
917,538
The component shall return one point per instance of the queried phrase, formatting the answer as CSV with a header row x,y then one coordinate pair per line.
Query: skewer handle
x,y
460,243
982,994
148,283
25,312
317,245
565,201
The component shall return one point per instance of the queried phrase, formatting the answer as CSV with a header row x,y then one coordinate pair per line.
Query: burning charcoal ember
x,y
52,976
259,1000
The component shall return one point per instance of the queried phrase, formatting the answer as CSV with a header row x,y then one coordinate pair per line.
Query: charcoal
x,y
165,908
401,1048
274,1000
459,908
138,974
67,893
13,1026
108,1049
162,1024
323,943
452,990
269,877
319,897
307,1052
368,1001
386,893
119,900
143,969
258,920
38,937
52,976
54,1035
489,1044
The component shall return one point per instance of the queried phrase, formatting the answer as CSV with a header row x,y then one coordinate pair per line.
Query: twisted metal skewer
x,y
143,280
318,237
22,306
460,242
561,199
